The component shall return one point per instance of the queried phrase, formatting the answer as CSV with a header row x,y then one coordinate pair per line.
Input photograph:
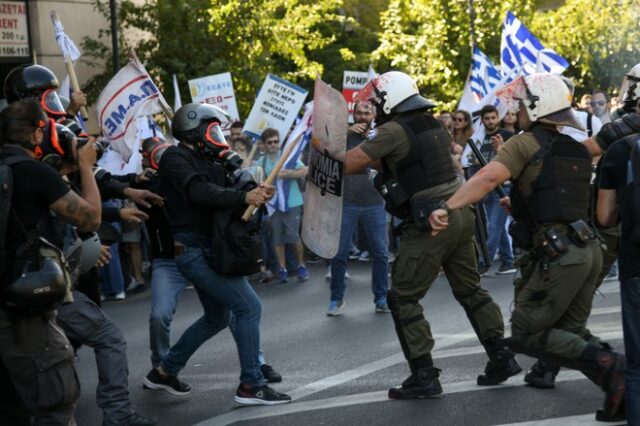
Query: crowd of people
x,y
74,235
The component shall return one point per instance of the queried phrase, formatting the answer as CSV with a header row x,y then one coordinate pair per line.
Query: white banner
x,y
130,94
276,106
215,90
14,33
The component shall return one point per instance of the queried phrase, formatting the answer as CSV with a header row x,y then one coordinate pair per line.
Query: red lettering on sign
x,y
9,24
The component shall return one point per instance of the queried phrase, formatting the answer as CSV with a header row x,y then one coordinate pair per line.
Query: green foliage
x,y
297,39
597,37
431,39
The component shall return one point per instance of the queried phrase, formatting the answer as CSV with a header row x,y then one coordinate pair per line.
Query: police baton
x,y
483,162
481,226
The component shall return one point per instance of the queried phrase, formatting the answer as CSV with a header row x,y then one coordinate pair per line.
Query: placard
x,y
352,82
14,30
215,90
276,106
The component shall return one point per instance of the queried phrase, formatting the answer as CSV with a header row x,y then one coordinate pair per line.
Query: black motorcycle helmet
x,y
26,81
199,125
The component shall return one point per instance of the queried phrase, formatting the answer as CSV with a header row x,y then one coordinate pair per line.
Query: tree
x,y
431,41
597,37
249,39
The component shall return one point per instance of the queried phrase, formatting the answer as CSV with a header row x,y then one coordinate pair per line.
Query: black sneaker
x,y
134,419
260,395
542,375
171,384
422,384
506,268
270,375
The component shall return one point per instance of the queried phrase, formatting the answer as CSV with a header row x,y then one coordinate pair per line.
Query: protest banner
x,y
352,82
216,90
14,42
276,106
130,94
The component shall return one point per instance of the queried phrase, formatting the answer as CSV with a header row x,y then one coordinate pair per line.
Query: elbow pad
x,y
624,126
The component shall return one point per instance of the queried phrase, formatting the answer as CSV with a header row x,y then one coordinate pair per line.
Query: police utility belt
x,y
554,243
399,203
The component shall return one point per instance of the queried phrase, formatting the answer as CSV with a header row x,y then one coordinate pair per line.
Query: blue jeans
x,y
374,221
630,294
497,235
167,284
111,274
220,295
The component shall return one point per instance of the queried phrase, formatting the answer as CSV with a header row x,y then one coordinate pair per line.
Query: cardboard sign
x,y
276,106
215,90
14,32
352,82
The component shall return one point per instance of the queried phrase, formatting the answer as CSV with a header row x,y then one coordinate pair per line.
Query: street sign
x,y
14,30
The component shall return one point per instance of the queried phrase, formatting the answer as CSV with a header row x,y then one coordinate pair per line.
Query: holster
x,y
396,197
520,235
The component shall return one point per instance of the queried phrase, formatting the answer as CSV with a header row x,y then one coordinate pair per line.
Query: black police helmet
x,y
186,123
27,81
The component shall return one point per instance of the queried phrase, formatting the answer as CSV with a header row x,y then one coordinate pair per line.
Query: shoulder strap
x,y
589,124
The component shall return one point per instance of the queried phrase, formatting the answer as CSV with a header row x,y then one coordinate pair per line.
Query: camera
x,y
100,145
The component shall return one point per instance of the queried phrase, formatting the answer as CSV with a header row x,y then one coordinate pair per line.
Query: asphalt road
x,y
338,369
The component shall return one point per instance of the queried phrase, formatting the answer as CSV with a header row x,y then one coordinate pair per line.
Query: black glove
x,y
624,126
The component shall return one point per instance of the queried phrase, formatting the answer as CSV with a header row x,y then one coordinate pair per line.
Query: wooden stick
x,y
274,173
73,78
34,57
165,108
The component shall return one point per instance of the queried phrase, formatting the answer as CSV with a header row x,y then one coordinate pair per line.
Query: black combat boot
x,y
605,368
542,375
502,363
422,383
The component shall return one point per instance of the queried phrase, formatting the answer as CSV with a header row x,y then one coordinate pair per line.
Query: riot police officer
x,y
418,173
551,174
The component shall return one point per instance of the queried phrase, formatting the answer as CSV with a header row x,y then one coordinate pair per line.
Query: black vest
x,y
429,162
560,194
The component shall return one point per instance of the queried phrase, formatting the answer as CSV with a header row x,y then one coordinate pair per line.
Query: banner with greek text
x,y
276,106
130,94
216,90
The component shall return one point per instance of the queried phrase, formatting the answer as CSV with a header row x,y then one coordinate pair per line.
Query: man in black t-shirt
x,y
613,204
497,238
33,350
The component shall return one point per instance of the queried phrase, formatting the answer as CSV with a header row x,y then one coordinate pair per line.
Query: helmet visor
x,y
51,103
215,137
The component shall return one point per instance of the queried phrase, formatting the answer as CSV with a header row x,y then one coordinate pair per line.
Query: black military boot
x,y
421,384
542,375
502,363
606,369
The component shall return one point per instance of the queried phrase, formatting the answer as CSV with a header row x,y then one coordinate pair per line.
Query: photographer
x,y
195,178
33,350
83,321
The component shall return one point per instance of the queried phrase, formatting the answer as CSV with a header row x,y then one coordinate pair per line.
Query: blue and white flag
x,y
521,50
484,75
302,130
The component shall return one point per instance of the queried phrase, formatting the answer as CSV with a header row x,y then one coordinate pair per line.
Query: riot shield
x,y
322,217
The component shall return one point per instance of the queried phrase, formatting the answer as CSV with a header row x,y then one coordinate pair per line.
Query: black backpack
x,y
236,245
6,196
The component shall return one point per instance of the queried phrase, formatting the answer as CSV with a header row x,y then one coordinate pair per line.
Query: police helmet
x,y
35,291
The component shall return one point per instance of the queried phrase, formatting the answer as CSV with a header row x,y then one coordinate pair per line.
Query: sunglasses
x,y
598,103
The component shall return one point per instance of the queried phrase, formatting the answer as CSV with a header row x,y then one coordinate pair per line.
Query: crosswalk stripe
x,y
582,420
252,413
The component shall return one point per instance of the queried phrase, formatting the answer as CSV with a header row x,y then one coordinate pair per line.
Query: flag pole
x,y
274,173
73,78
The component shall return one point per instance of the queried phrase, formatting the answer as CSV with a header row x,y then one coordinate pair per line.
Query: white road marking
x,y
252,413
582,420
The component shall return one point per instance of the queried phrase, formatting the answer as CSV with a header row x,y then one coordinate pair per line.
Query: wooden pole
x,y
247,161
73,78
34,57
165,108
274,173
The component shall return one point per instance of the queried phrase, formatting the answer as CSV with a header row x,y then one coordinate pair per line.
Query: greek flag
x,y
484,75
521,50
302,130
